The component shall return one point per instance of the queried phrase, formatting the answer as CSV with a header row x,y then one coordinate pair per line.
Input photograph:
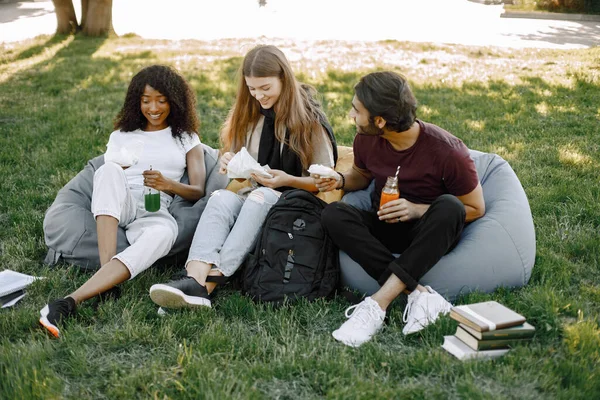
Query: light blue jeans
x,y
229,227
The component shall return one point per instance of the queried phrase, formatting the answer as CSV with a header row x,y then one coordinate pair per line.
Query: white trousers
x,y
150,234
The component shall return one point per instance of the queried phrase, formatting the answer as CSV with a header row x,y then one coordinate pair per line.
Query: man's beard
x,y
370,130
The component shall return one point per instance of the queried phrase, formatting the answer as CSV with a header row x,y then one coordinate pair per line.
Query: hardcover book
x,y
458,349
486,316
523,331
491,344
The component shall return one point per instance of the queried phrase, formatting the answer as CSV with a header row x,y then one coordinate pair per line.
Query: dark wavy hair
x,y
388,95
182,101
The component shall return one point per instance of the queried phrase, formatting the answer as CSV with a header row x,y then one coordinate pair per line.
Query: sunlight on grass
x,y
46,52
583,337
511,151
475,125
542,108
426,111
565,109
538,109
570,155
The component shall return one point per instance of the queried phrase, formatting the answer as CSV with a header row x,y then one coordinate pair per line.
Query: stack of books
x,y
486,330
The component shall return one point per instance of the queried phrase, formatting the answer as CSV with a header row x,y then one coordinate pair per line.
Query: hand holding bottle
x,y
151,194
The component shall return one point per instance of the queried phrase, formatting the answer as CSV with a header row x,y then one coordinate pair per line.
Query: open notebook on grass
x,y
12,285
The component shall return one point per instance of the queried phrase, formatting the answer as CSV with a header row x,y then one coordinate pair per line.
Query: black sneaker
x,y
55,312
185,292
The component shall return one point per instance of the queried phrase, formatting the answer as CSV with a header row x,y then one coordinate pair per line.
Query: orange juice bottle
x,y
390,191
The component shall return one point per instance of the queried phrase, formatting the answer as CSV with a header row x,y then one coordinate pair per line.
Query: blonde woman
x,y
277,119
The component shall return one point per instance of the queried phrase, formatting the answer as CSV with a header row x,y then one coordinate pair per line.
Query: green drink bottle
x,y
151,198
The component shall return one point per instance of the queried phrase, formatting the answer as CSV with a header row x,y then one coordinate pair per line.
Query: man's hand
x,y
327,184
154,179
224,161
279,179
401,210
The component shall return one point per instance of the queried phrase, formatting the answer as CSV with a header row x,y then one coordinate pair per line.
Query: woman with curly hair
x,y
277,119
158,119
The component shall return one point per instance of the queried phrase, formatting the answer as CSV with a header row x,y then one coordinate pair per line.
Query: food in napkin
x,y
322,171
243,164
126,155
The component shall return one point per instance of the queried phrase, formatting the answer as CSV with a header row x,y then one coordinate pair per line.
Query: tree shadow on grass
x,y
59,112
37,49
12,12
584,34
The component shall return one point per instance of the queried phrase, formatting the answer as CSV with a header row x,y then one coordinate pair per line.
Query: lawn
x,y
539,109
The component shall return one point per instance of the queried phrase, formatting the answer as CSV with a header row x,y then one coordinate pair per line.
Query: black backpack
x,y
293,257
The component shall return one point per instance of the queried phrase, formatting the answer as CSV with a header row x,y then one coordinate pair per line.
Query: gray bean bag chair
x,y
495,250
70,227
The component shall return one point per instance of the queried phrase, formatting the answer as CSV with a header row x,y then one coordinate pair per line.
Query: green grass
x,y
539,109
577,6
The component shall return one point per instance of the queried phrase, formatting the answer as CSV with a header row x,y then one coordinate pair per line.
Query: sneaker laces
x,y
363,312
440,307
408,309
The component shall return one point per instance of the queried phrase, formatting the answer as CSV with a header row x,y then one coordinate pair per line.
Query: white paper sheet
x,y
11,281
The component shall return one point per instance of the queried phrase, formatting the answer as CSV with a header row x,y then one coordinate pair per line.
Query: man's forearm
x,y
352,181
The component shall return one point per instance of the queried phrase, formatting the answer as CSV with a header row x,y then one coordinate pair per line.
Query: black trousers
x,y
371,242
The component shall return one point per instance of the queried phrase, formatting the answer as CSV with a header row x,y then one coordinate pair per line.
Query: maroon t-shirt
x,y
438,163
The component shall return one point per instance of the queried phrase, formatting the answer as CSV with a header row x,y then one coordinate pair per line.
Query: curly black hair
x,y
182,100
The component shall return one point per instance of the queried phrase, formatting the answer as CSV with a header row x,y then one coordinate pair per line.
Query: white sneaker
x,y
364,322
423,309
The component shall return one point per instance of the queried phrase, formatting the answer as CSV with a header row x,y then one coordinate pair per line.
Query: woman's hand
x,y
223,161
279,179
401,210
327,184
154,179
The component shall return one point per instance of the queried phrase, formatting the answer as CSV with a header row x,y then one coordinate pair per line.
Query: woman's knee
x,y
264,195
163,234
109,172
222,198
109,168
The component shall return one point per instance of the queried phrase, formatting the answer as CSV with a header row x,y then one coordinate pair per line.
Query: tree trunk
x,y
65,17
85,6
98,19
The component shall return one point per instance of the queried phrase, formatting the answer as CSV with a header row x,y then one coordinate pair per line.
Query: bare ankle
x,y
422,289
198,270
383,303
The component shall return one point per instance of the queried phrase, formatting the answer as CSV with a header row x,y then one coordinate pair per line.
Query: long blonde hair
x,y
296,109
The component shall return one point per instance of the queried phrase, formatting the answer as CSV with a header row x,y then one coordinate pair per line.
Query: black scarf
x,y
285,160
269,148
